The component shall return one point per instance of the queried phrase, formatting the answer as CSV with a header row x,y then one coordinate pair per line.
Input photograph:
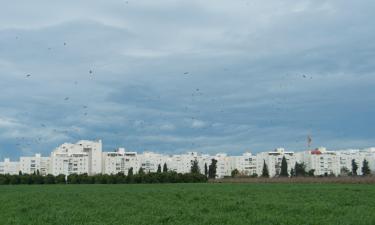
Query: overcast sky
x,y
174,76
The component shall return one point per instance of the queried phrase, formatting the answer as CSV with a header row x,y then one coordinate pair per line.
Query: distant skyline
x,y
122,148
175,76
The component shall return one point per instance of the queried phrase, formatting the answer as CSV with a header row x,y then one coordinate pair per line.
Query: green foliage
x,y
49,179
292,172
311,173
365,168
130,172
165,168
345,172
60,179
120,178
354,168
37,179
235,173
284,168
141,171
212,169
265,172
300,169
205,169
14,179
254,175
195,167
159,169
4,179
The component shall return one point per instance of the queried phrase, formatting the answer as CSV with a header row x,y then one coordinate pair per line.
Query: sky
x,y
176,76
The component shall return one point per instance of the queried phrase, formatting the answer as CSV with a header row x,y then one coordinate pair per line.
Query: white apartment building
x,y
273,160
224,165
31,165
9,167
346,157
120,161
87,157
182,163
320,160
150,161
369,155
82,157
246,164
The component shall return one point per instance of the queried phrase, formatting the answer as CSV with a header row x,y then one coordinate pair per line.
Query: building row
x,y
88,157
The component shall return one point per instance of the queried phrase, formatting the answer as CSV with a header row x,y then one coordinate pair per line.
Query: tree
x,y
292,172
159,169
49,179
345,172
300,169
141,171
212,169
265,172
205,169
130,171
195,167
365,168
284,168
37,179
311,173
235,172
354,168
165,168
14,179
60,179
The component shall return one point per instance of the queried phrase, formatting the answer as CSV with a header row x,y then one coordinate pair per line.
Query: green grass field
x,y
188,204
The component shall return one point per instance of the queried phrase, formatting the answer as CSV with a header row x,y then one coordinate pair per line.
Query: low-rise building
x,y
246,164
9,167
35,164
120,161
323,162
273,161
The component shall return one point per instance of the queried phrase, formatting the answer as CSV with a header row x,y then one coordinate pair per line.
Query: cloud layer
x,y
173,76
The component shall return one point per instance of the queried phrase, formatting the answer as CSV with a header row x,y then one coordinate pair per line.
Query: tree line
x,y
161,176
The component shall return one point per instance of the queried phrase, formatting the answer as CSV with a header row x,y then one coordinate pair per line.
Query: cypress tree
x,y
130,171
265,172
165,168
159,169
212,169
141,171
354,168
284,168
195,167
365,168
205,169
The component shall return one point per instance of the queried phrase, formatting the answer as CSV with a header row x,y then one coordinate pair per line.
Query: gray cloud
x,y
173,76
